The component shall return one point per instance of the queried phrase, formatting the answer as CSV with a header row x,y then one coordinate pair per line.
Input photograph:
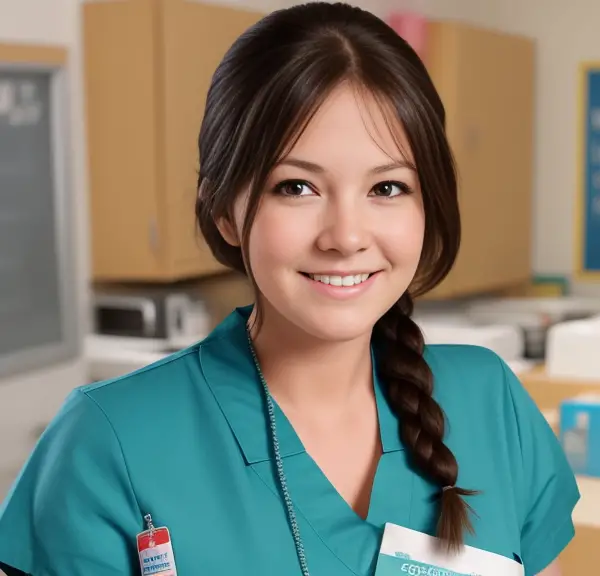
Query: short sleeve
x,y
548,491
72,511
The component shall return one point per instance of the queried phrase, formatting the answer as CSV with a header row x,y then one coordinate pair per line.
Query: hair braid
x,y
422,422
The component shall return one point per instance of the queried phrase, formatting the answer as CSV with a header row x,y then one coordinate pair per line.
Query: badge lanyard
x,y
279,464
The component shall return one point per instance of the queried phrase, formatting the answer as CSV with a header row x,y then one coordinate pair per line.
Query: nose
x,y
345,228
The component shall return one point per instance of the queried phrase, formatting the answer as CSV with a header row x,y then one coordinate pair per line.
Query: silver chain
x,y
279,464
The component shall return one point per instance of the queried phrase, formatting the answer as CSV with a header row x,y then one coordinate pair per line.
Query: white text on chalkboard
x,y
19,103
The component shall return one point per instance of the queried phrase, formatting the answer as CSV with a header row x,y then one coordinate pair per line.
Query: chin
x,y
336,325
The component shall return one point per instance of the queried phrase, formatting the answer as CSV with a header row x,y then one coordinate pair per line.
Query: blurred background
x,y
102,271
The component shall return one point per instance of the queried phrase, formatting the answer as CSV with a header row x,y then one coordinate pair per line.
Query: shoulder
x,y
490,412
474,386
480,374
94,458
153,395
165,390
168,374
473,369
77,466
474,380
170,377
166,394
465,358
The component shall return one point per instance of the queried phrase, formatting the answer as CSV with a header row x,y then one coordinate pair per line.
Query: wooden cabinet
x,y
148,65
486,80
582,552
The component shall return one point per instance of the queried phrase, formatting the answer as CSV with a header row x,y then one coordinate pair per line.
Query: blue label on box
x,y
580,435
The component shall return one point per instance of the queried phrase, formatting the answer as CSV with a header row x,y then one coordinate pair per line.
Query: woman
x,y
304,428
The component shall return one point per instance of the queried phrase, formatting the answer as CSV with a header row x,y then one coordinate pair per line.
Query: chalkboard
x,y
36,280
590,231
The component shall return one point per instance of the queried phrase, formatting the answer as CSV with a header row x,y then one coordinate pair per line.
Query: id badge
x,y
156,551
407,552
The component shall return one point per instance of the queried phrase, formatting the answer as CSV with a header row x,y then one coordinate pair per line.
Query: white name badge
x,y
411,553
156,553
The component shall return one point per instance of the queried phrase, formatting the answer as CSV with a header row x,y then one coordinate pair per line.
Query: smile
x,y
342,286
346,281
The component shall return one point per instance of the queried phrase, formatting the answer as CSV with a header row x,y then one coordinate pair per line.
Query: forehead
x,y
352,128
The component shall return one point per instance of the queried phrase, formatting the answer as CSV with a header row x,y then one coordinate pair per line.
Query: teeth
x,y
340,280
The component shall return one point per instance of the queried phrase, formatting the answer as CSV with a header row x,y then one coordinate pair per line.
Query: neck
x,y
303,371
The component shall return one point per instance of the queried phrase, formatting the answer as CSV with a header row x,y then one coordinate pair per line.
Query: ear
x,y
228,230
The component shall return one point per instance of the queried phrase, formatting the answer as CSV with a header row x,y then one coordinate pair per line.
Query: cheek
x,y
276,239
402,233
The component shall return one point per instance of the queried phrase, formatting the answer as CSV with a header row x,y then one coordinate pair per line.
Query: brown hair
x,y
263,94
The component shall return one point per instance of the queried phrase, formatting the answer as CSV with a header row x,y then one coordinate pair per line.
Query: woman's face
x,y
338,235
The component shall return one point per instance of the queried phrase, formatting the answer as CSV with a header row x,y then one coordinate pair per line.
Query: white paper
x,y
421,548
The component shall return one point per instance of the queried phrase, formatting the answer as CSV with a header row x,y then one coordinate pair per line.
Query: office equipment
x,y
573,349
535,316
175,315
38,316
505,340
184,313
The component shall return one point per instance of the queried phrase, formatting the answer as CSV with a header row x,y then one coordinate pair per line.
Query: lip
x,y
341,292
344,273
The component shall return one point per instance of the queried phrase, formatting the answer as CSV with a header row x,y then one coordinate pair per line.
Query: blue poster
x,y
591,180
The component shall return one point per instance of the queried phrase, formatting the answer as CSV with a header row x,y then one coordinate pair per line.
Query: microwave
x,y
175,317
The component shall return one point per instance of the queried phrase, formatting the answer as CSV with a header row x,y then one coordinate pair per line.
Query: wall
x,y
28,402
567,34
484,12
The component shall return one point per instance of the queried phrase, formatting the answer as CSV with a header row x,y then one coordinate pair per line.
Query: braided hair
x,y
422,423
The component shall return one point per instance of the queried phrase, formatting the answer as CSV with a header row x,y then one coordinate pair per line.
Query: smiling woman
x,y
308,434
335,207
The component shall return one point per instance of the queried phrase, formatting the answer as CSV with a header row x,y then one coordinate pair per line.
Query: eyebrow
x,y
315,168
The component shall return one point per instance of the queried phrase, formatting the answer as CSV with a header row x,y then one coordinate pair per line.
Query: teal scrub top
x,y
186,440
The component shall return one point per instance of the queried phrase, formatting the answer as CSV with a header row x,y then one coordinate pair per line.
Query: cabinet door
x,y
486,79
195,37
121,94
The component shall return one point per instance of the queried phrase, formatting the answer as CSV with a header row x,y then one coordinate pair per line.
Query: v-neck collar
x,y
230,372
231,375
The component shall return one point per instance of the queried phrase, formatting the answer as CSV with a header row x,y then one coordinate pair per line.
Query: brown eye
x,y
390,189
295,188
